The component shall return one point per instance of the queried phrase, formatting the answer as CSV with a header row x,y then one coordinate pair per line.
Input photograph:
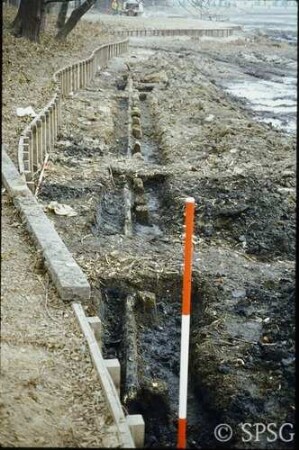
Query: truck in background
x,y
132,8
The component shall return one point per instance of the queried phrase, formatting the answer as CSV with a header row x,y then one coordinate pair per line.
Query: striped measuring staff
x,y
185,330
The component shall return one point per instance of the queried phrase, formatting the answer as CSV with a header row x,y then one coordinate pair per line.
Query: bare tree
x,y
74,19
28,21
13,2
62,15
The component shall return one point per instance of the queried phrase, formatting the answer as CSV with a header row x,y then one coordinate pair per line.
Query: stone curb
x,y
69,279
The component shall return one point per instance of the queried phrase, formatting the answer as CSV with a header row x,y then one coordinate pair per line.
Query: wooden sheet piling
x,y
128,210
131,387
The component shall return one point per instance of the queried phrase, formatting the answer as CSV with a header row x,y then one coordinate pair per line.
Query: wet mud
x,y
158,322
249,212
112,208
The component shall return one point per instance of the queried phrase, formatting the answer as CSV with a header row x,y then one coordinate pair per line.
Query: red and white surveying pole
x,y
185,331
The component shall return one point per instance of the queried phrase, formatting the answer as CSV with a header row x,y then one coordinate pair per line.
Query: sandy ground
x,y
50,393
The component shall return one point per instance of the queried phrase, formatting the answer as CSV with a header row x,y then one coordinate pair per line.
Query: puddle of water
x,y
290,80
257,90
278,22
278,98
278,109
290,127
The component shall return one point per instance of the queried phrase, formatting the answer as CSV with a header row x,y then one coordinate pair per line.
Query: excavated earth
x,y
196,141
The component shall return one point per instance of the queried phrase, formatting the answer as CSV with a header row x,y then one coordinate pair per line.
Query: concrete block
x,y
38,225
96,325
11,179
137,428
113,367
67,276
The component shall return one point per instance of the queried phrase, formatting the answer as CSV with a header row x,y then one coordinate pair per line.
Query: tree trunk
x,y
28,20
62,15
74,19
16,23
13,3
45,11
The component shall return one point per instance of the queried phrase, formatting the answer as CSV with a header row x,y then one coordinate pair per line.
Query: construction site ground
x,y
196,141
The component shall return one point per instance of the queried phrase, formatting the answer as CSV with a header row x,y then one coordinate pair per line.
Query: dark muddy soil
x,y
158,328
56,191
197,141
255,352
110,214
247,211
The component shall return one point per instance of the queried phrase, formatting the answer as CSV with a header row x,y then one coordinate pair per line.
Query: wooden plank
x,y
105,379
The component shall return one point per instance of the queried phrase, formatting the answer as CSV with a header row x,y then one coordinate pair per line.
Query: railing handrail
x,y
178,31
68,79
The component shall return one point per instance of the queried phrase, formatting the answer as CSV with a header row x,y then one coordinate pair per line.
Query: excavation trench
x,y
142,328
136,219
131,207
149,147
120,133
142,139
